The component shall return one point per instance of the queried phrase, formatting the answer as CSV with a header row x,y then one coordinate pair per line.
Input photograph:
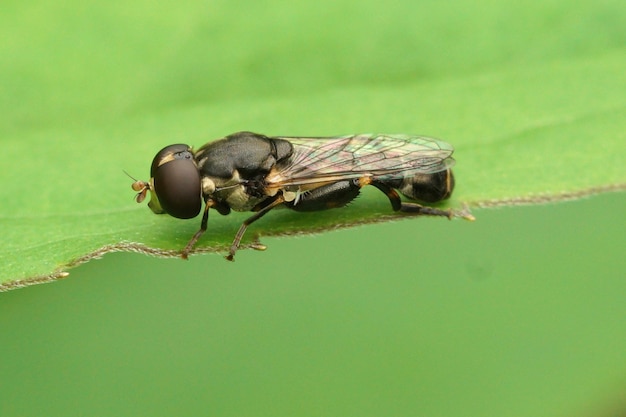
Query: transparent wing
x,y
383,157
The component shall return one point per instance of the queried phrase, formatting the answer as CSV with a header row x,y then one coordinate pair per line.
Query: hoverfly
x,y
247,171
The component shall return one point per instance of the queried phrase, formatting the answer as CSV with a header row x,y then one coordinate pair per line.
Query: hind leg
x,y
398,205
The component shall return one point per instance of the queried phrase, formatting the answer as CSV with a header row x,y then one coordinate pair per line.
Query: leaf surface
x,y
530,95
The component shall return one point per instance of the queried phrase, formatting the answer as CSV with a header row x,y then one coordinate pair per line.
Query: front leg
x,y
203,225
209,203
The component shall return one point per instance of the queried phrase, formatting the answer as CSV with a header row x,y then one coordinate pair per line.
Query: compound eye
x,y
177,181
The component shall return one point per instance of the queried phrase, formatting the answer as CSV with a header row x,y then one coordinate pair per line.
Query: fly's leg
x,y
199,233
426,211
339,194
398,205
257,245
221,208
242,229
333,195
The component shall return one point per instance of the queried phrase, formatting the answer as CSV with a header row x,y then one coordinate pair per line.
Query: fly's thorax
x,y
208,186
249,153
232,191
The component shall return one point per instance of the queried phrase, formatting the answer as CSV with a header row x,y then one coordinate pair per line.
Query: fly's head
x,y
174,183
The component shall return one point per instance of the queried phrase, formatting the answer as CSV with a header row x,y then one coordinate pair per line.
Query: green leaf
x,y
531,96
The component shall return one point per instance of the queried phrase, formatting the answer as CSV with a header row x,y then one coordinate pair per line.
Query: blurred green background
x,y
521,313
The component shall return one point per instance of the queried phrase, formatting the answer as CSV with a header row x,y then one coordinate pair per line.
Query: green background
x,y
520,313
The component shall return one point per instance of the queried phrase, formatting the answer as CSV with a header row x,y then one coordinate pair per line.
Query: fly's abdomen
x,y
429,188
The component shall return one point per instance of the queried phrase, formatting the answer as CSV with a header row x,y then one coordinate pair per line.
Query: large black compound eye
x,y
177,181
